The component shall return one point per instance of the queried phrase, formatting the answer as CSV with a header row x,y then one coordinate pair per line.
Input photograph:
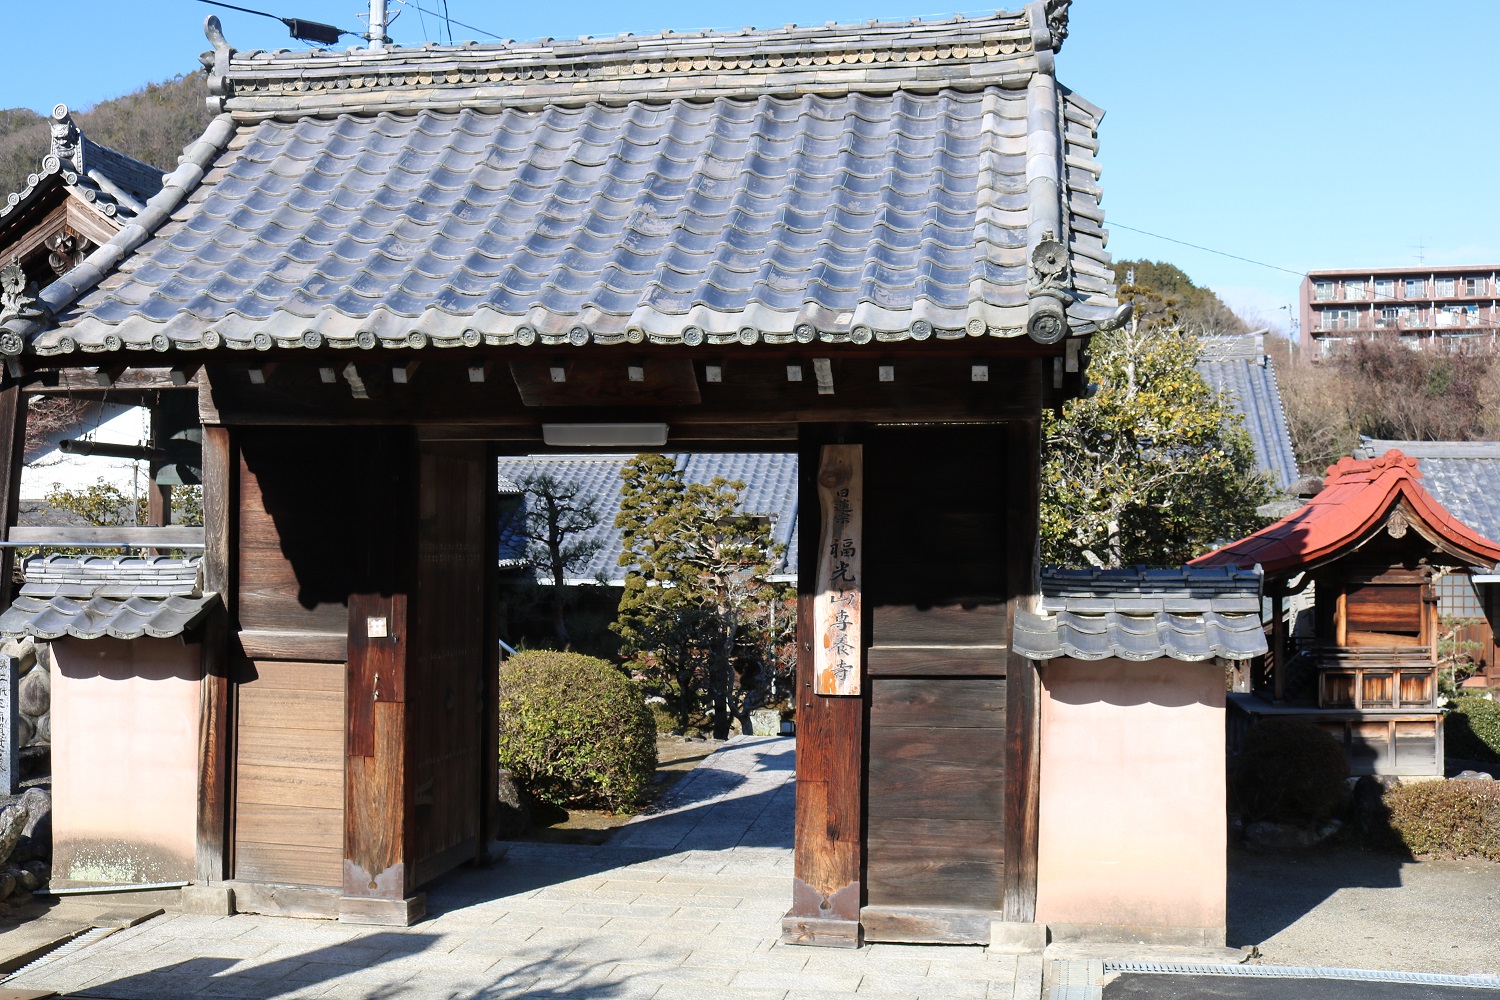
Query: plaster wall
x,y
124,759
1132,824
107,423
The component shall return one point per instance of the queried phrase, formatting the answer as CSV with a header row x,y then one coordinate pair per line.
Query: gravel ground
x,y
1358,909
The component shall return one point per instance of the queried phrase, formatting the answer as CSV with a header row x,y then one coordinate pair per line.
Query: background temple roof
x,y
114,185
770,491
1463,475
1239,368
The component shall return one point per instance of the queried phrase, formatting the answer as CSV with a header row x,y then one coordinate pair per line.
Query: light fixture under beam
x,y
604,435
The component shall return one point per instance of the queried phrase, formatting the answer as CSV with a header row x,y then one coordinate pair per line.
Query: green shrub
x,y
1289,771
575,731
664,719
1447,819
1472,729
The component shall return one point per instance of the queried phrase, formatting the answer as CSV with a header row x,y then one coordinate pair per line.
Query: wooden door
x,y
289,774
936,594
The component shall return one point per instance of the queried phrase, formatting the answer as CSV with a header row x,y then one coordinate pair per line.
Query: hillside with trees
x,y
152,124
1165,296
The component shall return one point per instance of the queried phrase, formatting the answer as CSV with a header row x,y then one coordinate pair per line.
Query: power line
x,y
423,10
302,29
1233,256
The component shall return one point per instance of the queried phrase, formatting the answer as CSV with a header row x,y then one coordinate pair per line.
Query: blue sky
x,y
1301,134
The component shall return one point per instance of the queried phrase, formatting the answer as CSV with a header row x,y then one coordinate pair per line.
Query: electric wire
x,y
288,21
451,21
1112,224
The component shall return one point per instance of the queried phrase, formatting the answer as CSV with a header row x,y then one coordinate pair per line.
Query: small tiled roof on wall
x,y
770,491
1463,475
840,184
1240,369
1140,614
1359,496
91,596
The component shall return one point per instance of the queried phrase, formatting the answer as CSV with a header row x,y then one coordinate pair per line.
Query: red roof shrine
x,y
1359,498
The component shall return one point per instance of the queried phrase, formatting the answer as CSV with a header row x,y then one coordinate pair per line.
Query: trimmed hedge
x,y
575,731
1447,819
1471,730
1289,771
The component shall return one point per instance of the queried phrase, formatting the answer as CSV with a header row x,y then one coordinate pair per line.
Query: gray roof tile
x,y
114,185
454,203
93,618
1239,368
1464,476
1139,614
92,596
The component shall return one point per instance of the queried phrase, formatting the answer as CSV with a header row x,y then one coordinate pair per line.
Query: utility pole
x,y
377,26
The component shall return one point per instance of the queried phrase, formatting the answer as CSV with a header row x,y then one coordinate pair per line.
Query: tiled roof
x,y
1359,496
1464,476
850,183
1139,614
1240,369
94,596
770,490
115,185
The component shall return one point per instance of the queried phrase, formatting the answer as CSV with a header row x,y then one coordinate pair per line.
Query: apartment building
x,y
1448,308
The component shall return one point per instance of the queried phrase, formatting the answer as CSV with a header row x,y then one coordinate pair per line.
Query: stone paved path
x,y
683,903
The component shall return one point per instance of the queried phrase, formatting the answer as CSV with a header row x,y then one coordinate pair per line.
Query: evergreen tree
x,y
697,616
1153,467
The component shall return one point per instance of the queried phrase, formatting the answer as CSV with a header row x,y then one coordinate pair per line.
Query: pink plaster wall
x,y
1131,825
124,759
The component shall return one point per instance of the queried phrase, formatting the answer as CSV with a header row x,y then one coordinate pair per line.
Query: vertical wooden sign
x,y
837,656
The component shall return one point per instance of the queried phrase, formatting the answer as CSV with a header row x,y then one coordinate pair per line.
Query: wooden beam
x,y
478,373
85,381
106,376
12,459
595,383
752,392
175,536
215,708
403,374
1022,512
261,374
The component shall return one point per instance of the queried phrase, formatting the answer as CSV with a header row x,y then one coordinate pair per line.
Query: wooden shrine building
x,y
877,245
1354,620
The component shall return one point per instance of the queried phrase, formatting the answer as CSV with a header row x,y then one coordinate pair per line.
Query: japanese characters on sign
x,y
837,654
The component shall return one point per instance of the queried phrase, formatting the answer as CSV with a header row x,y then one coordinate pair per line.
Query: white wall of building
x,y
113,424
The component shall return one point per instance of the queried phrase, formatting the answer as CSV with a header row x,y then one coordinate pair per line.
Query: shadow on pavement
x,y
1270,892
539,977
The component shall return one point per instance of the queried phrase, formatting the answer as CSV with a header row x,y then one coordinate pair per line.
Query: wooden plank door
x,y
289,774
936,594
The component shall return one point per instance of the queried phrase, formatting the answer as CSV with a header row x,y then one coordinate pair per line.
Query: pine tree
x,y
697,614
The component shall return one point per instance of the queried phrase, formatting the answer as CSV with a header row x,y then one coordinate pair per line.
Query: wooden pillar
x,y
13,457
220,500
377,793
828,833
489,690
1022,512
1279,654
